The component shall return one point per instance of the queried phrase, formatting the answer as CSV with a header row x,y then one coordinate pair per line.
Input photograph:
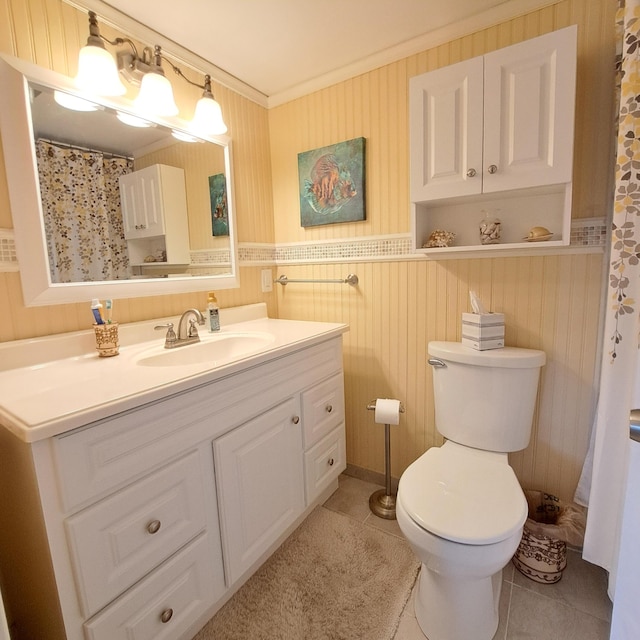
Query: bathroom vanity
x,y
141,491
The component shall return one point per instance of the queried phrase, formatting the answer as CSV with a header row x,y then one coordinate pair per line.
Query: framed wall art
x,y
332,183
219,210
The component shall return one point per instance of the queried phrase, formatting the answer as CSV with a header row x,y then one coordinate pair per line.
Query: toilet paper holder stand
x,y
383,502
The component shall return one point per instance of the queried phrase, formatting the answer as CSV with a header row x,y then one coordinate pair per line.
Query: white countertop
x,y
42,399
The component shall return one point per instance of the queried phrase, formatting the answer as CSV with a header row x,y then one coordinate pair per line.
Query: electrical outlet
x,y
267,280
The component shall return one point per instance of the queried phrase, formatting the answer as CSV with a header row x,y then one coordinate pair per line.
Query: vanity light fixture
x,y
97,70
95,74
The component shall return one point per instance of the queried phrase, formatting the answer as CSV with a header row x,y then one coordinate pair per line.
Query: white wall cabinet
x,y
154,212
155,516
491,131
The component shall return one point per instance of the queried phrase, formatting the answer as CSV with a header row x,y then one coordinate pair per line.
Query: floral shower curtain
x,y
622,323
82,214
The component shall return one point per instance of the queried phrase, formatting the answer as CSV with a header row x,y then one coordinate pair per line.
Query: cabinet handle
x,y
295,419
471,173
331,461
492,168
154,526
329,408
166,615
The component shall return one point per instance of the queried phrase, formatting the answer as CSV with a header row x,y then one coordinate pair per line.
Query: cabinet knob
x,y
329,408
166,615
154,526
295,419
471,173
492,168
331,461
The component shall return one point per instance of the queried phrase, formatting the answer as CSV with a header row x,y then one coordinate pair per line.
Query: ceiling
x,y
275,46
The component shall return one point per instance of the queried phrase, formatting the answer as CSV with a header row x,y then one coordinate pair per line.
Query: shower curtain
x,y
610,451
82,214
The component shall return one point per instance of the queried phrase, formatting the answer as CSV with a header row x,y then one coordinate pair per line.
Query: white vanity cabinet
x,y
154,212
155,516
260,481
493,131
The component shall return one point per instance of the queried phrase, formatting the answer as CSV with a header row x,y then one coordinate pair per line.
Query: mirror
x,y
194,251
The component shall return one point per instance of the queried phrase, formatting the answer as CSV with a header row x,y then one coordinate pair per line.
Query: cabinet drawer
x,y
178,592
324,463
322,409
122,538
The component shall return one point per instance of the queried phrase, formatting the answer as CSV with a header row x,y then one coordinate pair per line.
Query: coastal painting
x,y
219,210
332,183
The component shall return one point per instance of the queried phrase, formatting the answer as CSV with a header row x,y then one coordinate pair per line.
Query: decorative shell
x,y
439,238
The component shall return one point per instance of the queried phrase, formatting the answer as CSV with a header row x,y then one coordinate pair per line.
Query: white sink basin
x,y
213,351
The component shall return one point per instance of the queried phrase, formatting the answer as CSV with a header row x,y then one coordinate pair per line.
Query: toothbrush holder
x,y
107,339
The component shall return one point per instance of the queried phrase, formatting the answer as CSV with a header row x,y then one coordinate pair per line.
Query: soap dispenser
x,y
214,312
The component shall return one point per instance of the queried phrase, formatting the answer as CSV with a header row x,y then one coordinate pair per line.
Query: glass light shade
x,y
69,101
132,121
98,72
156,96
207,119
184,137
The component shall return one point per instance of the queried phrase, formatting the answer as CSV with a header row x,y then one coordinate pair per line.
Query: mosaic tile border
x,y
585,232
589,232
8,255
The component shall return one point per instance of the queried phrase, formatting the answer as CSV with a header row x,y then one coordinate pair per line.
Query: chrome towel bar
x,y
351,279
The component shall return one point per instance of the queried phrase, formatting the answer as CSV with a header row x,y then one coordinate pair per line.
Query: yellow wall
x,y
550,303
50,34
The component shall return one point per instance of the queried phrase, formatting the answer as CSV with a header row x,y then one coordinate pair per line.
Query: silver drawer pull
x,y
295,419
166,615
331,461
493,169
329,408
154,526
634,425
436,362
471,173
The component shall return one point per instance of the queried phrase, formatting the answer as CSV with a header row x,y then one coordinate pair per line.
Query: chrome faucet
x,y
186,335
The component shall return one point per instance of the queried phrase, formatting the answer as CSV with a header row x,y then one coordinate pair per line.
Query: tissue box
x,y
483,331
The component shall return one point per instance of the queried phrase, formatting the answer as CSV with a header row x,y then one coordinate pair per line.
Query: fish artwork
x,y
330,186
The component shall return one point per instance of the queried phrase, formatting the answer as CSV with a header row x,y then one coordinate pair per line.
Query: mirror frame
x,y
26,208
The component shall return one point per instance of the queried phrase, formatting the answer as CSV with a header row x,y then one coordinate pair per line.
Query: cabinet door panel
x,y
260,484
528,113
446,132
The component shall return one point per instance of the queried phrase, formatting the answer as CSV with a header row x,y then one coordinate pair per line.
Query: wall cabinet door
x,y
142,203
498,122
446,131
529,100
260,480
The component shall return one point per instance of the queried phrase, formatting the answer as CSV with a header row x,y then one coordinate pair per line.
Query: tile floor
x,y
576,608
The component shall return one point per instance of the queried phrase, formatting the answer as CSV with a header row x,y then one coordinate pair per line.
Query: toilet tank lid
x,y
506,357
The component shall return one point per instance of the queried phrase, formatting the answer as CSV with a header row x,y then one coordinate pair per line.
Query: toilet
x,y
460,506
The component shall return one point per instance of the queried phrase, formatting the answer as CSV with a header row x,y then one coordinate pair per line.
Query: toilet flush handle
x,y
436,362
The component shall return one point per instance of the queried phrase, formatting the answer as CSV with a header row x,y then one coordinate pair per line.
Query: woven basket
x,y
541,557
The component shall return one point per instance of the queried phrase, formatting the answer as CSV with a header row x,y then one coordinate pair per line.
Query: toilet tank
x,y
485,399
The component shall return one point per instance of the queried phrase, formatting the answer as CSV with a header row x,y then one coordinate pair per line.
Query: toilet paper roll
x,y
387,411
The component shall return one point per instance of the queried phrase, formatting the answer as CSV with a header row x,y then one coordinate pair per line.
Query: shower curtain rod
x,y
351,279
76,147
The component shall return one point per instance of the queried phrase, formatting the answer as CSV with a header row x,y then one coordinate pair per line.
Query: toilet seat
x,y
464,495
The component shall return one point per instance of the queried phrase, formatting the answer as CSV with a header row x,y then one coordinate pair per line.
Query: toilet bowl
x,y
460,505
462,512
